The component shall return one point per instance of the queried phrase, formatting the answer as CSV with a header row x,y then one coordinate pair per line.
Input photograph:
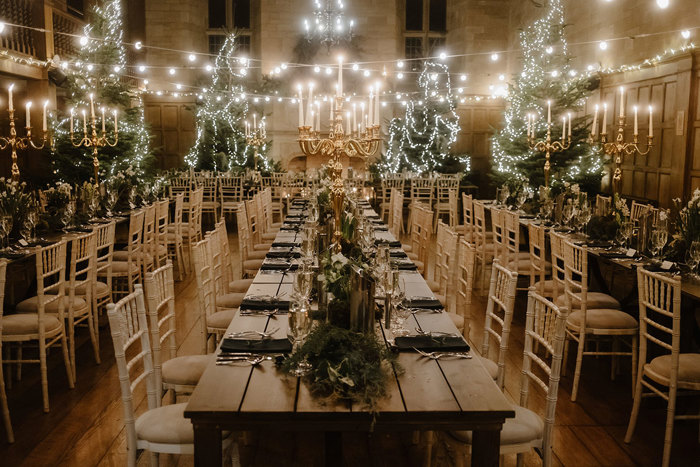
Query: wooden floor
x,y
85,428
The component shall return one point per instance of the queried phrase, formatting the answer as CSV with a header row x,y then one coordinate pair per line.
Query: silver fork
x,y
262,334
252,360
434,333
269,313
439,355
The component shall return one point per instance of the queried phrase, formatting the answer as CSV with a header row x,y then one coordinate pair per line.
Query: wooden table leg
x,y
333,448
207,445
485,448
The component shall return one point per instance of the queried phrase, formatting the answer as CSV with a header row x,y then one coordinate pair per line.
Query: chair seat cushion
x,y
27,324
101,289
30,305
257,254
121,255
262,246
122,267
185,370
229,300
549,287
406,248
457,320
174,237
688,367
490,366
593,300
252,264
605,318
419,264
220,319
240,285
165,425
434,286
268,235
526,426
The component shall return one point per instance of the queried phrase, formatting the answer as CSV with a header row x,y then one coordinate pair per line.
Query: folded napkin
x,y
294,216
595,244
397,254
264,304
278,266
285,244
293,220
256,345
406,265
13,254
283,254
614,255
380,228
422,302
78,230
432,343
394,244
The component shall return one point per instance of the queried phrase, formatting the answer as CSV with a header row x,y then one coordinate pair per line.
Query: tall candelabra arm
x,y
83,141
43,139
4,142
116,139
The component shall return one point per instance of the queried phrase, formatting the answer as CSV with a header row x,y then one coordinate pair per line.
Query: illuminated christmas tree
x,y
221,115
422,139
546,75
98,69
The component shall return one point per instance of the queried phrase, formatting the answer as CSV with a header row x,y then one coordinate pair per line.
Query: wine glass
x,y
67,215
567,213
6,225
505,193
299,327
93,205
132,197
624,233
522,197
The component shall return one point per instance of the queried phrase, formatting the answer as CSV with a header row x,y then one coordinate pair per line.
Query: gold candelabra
x,y
22,143
547,145
618,147
363,143
256,138
91,139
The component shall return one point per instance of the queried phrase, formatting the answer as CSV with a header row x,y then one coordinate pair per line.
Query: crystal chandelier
x,y
329,24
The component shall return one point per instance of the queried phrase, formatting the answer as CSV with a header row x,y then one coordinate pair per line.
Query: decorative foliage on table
x,y
347,366
605,227
15,202
686,223
221,113
99,69
547,74
422,140
56,199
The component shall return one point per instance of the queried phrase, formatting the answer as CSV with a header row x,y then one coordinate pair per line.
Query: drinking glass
x,y
567,214
695,253
303,283
6,224
67,215
522,197
505,193
112,198
624,233
299,327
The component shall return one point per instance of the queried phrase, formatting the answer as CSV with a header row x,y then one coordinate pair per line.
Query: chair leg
x,y
579,362
94,332
66,361
635,361
71,345
43,369
428,453
565,356
6,410
18,376
615,359
635,409
668,436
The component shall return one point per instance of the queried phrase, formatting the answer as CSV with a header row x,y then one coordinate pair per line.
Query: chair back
x,y
83,267
217,262
194,215
210,198
446,261
396,217
468,216
230,193
499,314
388,184
104,246
538,255
499,234
422,190
479,239
50,279
149,237
132,351
511,237
134,245
160,250
205,286
254,221
556,242
576,278
638,210
180,185
243,234
446,187
545,328
160,297
464,281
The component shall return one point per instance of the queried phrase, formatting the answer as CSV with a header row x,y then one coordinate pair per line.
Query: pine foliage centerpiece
x,y
547,75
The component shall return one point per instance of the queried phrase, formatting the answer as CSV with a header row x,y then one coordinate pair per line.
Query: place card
x,y
630,252
23,242
666,265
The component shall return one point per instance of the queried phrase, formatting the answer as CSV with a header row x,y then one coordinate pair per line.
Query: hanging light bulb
x,y
603,45
685,34
138,45
83,41
494,57
663,4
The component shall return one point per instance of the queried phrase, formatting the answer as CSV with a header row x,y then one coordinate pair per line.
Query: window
x,y
241,14
243,48
76,7
414,15
217,14
438,16
216,41
435,45
414,49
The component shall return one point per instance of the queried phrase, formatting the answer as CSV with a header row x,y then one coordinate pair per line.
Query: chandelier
x,y
329,24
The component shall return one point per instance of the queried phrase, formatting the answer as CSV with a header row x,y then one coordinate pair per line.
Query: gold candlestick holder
x,y
256,140
618,148
363,144
22,143
548,147
90,139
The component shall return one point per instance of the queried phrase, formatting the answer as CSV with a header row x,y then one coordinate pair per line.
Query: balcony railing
x,y
64,45
17,39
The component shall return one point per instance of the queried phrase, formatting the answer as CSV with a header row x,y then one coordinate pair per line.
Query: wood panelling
x,y
693,163
659,175
478,121
173,128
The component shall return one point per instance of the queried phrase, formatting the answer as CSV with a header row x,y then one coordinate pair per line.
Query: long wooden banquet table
x,y
449,394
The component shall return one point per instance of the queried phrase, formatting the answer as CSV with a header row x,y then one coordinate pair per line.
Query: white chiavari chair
x,y
126,273
464,283
268,231
602,205
388,184
544,328
537,235
210,196
672,373
180,185
191,227
3,395
214,323
230,194
446,201
256,249
160,245
249,265
589,318
396,217
638,210
104,255
499,314
175,242
82,276
483,245
148,242
179,375
46,326
422,192
161,429
467,228
234,285
224,298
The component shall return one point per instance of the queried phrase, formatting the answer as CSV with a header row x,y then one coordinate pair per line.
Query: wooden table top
x,y
454,394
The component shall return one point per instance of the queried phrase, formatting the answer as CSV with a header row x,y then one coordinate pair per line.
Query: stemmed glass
x,y
132,197
584,216
112,197
567,214
6,227
505,193
93,204
522,197
67,215
624,233
299,327
692,258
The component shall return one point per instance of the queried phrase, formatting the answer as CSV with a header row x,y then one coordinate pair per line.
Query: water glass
x,y
299,326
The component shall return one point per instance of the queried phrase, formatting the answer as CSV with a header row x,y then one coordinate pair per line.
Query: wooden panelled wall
x,y
173,131
672,167
478,120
